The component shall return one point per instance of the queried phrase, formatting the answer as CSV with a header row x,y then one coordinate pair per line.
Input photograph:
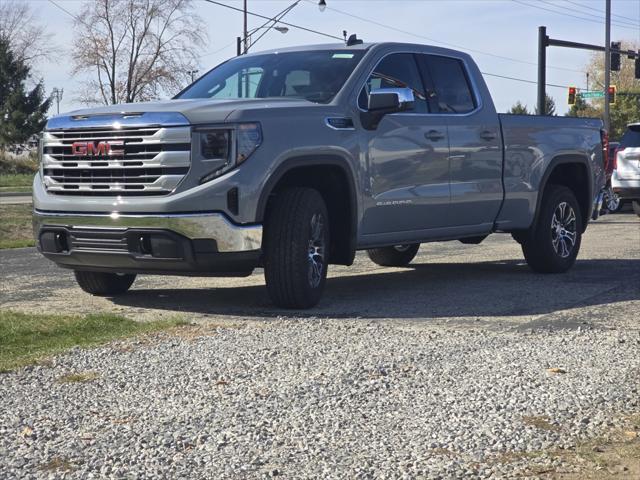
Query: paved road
x,y
448,283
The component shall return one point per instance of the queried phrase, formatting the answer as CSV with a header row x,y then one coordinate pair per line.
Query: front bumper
x,y
190,243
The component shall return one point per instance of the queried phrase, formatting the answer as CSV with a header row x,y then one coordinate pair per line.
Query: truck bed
x,y
531,143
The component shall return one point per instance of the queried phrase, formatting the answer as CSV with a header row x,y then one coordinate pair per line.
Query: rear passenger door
x,y
475,147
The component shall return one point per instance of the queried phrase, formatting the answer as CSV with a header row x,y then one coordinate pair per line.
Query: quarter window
x,y
398,70
451,85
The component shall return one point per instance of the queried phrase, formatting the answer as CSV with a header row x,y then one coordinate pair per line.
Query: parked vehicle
x,y
612,202
625,179
294,159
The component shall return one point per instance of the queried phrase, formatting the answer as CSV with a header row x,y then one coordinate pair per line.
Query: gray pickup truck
x,y
294,159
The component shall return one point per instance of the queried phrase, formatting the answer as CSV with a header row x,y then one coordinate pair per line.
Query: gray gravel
x,y
436,371
319,399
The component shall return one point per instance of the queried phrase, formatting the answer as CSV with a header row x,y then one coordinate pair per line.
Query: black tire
x,y
396,256
548,247
636,207
104,284
297,222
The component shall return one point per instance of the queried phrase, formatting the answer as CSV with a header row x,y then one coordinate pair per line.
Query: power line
x,y
570,15
598,10
461,47
600,18
523,80
360,18
269,18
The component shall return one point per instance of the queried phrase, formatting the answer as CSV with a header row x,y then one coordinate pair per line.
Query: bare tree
x,y
136,50
26,37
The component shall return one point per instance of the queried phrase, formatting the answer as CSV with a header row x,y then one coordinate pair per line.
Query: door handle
x,y
434,135
488,135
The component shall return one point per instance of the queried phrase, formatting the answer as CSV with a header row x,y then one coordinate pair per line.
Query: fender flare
x,y
561,160
314,160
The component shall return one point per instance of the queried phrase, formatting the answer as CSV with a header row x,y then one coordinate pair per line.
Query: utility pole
x,y
542,69
57,94
587,81
607,63
245,33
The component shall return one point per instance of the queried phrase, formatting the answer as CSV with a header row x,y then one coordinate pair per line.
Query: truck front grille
x,y
125,161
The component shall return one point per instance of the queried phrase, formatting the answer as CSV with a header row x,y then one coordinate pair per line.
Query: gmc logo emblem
x,y
96,149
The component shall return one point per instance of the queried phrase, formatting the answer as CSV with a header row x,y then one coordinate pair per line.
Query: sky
x,y
501,35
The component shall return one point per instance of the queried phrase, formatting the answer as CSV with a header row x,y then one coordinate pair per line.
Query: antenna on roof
x,y
354,40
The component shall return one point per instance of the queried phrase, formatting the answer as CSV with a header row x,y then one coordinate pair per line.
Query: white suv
x,y
626,174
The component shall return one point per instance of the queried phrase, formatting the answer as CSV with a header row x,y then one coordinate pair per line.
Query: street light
x,y
193,74
245,41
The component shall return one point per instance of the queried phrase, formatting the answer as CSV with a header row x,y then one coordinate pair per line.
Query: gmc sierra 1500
x,y
294,159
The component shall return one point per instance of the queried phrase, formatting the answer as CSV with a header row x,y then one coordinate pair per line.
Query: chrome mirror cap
x,y
399,99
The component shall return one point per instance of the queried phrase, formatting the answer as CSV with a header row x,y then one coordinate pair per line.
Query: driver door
x,y
407,157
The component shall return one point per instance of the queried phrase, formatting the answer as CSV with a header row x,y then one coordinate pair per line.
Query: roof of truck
x,y
343,46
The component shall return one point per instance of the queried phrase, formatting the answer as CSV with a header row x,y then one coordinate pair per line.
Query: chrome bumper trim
x,y
215,226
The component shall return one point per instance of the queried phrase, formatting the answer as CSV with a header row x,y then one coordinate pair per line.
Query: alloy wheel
x,y
563,229
316,251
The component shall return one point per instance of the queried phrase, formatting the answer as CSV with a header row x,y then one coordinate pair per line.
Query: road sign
x,y
591,94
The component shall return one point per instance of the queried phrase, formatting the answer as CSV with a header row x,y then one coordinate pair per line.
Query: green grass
x,y
26,339
23,189
16,180
15,226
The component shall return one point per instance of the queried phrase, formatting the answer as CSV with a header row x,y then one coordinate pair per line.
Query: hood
x,y
169,112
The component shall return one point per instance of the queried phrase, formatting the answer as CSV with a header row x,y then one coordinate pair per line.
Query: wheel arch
x,y
333,177
574,172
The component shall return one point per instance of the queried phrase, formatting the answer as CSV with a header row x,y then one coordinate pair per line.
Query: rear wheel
x,y
553,243
612,202
396,256
104,284
636,207
296,248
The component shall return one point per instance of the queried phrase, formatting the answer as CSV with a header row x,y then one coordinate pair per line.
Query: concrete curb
x,y
15,194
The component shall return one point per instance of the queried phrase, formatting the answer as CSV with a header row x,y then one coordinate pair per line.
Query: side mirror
x,y
383,101
391,99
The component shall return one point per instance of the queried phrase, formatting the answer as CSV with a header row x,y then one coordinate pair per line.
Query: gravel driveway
x,y
436,371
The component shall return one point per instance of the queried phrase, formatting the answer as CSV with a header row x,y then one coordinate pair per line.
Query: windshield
x,y
631,137
316,76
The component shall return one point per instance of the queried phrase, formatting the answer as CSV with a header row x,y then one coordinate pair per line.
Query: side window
x,y
241,85
450,84
398,70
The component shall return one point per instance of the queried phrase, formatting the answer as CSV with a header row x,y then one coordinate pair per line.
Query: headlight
x,y
215,147
215,144
249,137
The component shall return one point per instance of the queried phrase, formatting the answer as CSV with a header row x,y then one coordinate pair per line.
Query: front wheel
x,y
296,248
104,284
396,256
553,243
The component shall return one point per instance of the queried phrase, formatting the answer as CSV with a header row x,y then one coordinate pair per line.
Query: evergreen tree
x,y
22,112
550,106
519,109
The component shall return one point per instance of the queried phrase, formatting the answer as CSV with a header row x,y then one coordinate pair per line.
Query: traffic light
x,y
615,57
612,94
572,96
638,66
